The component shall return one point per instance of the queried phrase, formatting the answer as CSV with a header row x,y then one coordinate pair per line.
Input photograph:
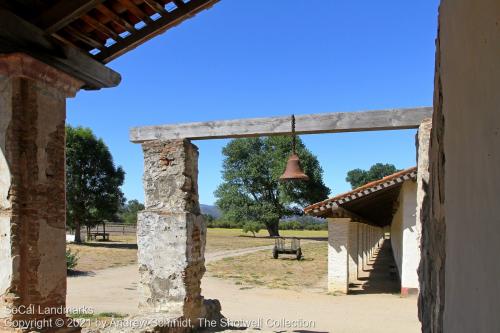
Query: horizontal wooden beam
x,y
380,120
18,35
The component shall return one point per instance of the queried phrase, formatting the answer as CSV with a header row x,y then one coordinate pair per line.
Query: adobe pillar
x,y
32,190
340,235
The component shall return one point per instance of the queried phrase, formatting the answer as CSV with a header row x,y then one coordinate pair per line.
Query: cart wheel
x,y
299,253
275,253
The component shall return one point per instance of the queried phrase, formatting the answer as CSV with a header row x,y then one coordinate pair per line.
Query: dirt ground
x,y
122,250
367,310
260,269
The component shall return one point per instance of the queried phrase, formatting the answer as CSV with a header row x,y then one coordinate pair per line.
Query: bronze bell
x,y
293,171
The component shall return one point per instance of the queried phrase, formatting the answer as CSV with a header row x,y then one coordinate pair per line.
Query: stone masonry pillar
x,y
338,255
32,191
171,232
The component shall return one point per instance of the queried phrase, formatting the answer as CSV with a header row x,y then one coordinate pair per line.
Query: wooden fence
x,y
114,229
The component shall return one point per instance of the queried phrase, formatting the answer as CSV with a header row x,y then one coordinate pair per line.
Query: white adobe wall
x,y
404,237
470,78
397,238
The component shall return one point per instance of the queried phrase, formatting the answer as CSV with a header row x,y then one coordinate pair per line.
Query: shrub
x,y
253,227
71,259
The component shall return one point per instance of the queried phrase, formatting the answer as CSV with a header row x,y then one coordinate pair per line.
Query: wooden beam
x,y
153,29
392,119
100,27
136,11
17,35
63,13
156,7
117,19
83,38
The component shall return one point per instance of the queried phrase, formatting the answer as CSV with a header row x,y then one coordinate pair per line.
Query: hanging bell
x,y
293,170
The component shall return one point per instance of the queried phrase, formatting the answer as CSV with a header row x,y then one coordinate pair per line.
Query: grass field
x,y
260,269
122,250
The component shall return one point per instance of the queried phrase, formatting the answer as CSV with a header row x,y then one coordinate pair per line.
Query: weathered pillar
x,y
171,233
338,255
32,191
353,251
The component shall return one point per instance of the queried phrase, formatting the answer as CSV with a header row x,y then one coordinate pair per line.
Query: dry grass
x,y
122,250
260,269
100,255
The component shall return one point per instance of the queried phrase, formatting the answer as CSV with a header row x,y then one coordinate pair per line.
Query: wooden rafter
x,y
153,29
90,25
135,10
63,13
99,26
156,7
17,35
115,17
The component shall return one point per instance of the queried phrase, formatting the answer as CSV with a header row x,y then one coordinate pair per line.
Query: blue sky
x,y
258,58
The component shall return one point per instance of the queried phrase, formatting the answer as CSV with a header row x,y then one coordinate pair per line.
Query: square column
x,y
353,251
171,233
32,190
359,261
364,234
338,255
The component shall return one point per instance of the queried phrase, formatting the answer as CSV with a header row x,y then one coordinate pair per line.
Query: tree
x,y
128,212
93,182
253,227
251,191
359,177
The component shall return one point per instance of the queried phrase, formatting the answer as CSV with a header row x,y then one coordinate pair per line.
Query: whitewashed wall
x,y
404,236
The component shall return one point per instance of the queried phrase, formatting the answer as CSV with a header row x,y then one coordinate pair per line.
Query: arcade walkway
x,y
380,277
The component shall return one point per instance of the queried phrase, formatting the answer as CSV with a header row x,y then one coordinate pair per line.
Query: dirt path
x,y
115,290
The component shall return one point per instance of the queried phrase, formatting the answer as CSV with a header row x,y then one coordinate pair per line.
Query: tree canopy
x,y
359,177
93,193
128,212
251,191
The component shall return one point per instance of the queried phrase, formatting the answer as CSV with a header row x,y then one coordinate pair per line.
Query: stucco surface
x,y
470,76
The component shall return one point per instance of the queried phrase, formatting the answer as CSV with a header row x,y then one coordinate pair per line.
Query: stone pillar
x,y
353,251
32,190
338,255
171,232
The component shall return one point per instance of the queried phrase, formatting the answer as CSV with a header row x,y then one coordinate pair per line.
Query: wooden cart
x,y
287,245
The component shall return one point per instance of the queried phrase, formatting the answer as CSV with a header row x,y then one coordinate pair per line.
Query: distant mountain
x,y
211,210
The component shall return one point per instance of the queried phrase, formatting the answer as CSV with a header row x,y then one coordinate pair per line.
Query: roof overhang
x,y
79,36
373,203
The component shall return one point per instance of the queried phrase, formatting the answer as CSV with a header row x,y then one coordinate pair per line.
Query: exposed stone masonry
x,y
171,234
32,188
431,270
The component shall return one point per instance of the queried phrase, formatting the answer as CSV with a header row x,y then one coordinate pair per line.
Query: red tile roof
x,y
371,187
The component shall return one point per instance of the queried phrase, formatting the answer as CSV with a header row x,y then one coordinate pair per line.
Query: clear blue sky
x,y
258,58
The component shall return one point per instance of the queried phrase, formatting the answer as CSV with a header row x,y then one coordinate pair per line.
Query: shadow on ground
x,y
75,273
378,278
110,245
